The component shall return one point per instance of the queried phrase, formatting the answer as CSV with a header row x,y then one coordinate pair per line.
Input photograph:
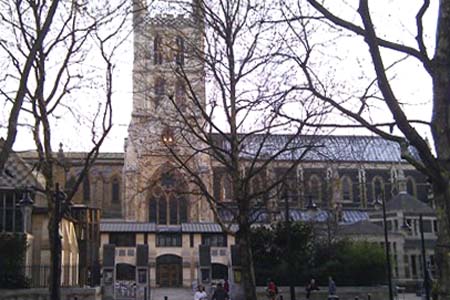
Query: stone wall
x,y
42,294
344,293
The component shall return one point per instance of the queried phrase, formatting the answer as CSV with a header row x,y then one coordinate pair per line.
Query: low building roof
x,y
127,227
123,226
408,204
363,227
298,215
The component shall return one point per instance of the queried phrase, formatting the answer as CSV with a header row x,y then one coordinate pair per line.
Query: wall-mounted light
x,y
168,137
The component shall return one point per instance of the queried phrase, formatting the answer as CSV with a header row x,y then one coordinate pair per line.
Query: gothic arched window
x,y
179,56
377,188
226,188
70,183
180,94
157,50
411,186
86,189
314,188
152,213
162,210
183,210
160,89
167,203
347,189
115,190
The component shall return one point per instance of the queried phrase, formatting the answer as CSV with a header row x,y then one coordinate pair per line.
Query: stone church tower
x,y
164,66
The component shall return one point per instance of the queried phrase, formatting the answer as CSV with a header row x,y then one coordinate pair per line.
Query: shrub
x,y
347,261
12,261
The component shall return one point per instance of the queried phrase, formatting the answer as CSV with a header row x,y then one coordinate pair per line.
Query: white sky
x,y
395,19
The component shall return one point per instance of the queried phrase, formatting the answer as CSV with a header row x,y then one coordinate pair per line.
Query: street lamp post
x,y
386,244
26,208
61,206
426,279
287,221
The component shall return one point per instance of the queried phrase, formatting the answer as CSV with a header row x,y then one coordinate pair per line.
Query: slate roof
x,y
127,227
320,148
31,154
123,226
262,216
363,227
348,216
204,227
408,204
17,174
323,148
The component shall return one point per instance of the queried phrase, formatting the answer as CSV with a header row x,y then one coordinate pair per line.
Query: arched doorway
x,y
169,271
168,197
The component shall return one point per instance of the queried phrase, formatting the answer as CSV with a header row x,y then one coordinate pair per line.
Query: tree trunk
x,y
442,250
55,250
248,275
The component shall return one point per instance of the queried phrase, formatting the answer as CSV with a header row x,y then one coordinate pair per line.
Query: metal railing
x,y
39,276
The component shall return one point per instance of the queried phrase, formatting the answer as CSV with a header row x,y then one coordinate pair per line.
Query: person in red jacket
x,y
272,290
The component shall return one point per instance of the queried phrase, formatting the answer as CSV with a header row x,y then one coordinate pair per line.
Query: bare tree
x,y
47,48
234,127
383,91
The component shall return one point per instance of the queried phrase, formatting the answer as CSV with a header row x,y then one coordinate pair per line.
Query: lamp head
x,y
406,227
26,200
378,203
311,206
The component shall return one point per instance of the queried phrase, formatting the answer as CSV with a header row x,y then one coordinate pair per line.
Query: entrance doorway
x,y
125,283
219,272
169,271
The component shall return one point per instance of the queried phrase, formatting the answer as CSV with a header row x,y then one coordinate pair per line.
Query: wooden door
x,y
169,275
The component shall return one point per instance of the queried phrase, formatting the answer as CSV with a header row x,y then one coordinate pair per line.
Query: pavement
x,y
408,296
187,294
172,294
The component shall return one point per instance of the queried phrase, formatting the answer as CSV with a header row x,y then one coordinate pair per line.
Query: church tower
x,y
156,190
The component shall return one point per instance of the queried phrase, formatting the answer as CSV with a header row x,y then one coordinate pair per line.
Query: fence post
x,y
369,296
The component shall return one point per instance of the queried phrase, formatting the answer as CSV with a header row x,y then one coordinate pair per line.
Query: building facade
x,y
16,182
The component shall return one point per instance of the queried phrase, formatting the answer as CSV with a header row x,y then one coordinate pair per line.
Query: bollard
x,y
281,297
165,297
356,298
369,296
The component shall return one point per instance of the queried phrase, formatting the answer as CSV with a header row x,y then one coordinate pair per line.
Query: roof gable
x,y
408,204
17,174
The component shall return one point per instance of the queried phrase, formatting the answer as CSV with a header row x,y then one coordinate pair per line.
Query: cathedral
x,y
152,227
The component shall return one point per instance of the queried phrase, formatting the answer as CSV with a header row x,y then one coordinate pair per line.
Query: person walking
x,y
331,289
272,290
312,286
200,294
220,293
226,286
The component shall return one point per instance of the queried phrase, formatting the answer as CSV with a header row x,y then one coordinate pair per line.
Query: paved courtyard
x,y
172,294
187,294
408,297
